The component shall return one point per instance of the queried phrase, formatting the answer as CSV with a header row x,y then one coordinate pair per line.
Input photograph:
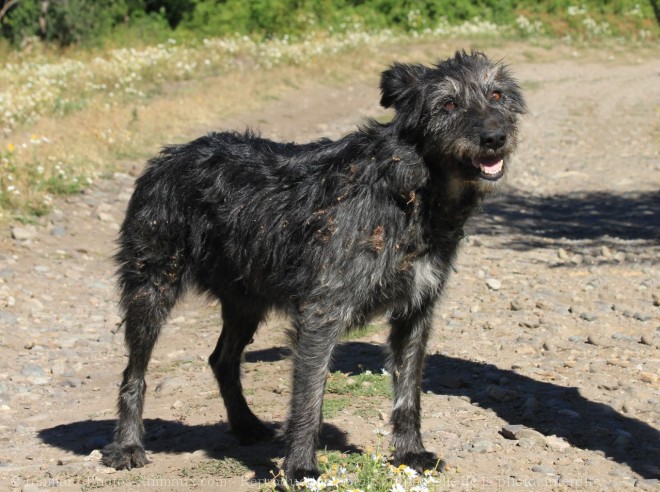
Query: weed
x,y
365,384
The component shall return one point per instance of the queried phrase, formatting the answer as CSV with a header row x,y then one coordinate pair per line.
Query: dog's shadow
x,y
561,411
168,436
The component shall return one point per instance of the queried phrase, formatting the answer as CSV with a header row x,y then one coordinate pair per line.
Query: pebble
x,y
548,470
647,340
493,284
535,436
588,316
32,370
483,446
23,233
648,484
95,455
562,254
7,318
498,393
168,385
517,305
557,444
620,257
648,377
58,231
594,340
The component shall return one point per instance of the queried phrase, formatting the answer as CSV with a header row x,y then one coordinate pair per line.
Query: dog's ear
x,y
399,83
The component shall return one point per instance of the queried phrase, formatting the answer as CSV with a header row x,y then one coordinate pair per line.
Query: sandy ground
x,y
551,321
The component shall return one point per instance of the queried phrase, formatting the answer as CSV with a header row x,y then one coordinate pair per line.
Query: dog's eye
x,y
495,96
450,105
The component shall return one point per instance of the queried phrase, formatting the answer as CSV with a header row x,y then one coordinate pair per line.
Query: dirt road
x,y
551,321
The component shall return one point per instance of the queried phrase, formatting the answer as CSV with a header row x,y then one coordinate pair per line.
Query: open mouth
x,y
491,168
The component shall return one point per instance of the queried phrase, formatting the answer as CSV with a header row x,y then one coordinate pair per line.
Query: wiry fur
x,y
332,232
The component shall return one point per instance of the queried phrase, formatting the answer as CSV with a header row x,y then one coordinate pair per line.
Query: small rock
x,y
510,431
588,316
656,300
562,254
525,350
498,393
58,231
648,377
531,404
23,233
535,436
483,446
548,470
648,484
577,339
32,370
95,455
177,405
605,251
549,346
526,443
642,316
577,259
622,441
628,408
168,385
493,284
105,217
7,318
556,444
620,257
517,305
647,340
594,340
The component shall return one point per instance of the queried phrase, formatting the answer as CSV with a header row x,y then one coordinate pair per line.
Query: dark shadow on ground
x,y
595,218
165,436
562,411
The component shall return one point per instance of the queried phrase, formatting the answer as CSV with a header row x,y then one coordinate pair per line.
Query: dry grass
x,y
60,154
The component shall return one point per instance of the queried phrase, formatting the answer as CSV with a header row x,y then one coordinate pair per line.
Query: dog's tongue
x,y
488,166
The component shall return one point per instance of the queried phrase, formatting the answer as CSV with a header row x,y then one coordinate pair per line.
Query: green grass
x,y
334,406
365,384
363,331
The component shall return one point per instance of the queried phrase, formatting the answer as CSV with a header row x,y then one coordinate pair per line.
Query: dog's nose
x,y
493,139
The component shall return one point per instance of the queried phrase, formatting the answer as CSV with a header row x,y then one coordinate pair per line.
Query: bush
x,y
64,22
83,21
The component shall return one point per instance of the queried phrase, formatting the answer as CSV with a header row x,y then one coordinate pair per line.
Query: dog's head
x,y
462,113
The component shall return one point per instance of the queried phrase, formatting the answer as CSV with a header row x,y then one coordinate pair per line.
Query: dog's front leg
x,y
408,338
316,339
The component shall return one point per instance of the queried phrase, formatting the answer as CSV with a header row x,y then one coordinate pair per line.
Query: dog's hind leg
x,y
407,341
149,291
239,325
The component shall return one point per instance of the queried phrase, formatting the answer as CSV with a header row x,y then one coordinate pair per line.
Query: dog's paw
x,y
253,433
123,457
419,462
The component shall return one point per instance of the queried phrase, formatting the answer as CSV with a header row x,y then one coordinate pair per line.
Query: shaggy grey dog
x,y
331,232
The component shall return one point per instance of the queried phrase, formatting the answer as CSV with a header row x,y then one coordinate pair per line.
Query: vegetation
x,y
94,22
128,53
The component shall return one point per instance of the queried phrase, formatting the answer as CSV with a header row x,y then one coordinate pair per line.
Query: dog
x,y
330,232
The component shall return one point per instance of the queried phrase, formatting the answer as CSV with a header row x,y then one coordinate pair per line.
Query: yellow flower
x,y
11,148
